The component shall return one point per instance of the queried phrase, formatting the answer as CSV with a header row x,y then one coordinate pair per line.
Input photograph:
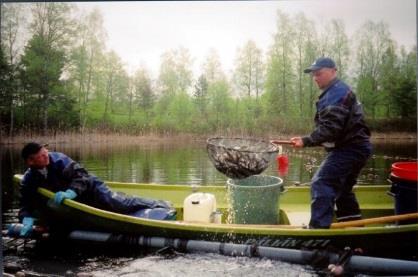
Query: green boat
x,y
378,234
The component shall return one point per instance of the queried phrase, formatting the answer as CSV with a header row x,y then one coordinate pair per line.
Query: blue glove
x,y
27,226
61,195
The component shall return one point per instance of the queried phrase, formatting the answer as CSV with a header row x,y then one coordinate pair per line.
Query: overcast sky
x,y
141,31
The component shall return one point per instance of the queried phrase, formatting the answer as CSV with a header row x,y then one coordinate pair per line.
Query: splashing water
x,y
205,265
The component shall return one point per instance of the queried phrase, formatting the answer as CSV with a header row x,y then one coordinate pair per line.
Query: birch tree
x,y
13,23
248,74
175,71
306,53
85,58
373,41
280,68
338,46
212,67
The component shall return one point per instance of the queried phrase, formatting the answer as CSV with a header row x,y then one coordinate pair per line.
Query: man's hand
x,y
61,195
297,142
27,226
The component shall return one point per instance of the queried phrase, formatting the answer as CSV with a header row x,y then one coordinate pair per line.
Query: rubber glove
x,y
61,195
27,226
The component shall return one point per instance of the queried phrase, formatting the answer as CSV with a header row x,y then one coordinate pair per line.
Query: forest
x,y
57,75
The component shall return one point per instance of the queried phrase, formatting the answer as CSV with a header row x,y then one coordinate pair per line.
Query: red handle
x,y
281,142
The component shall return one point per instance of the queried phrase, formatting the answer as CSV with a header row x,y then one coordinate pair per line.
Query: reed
x,y
98,137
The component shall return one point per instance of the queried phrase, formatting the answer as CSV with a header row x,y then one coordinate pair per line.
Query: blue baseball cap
x,y
322,62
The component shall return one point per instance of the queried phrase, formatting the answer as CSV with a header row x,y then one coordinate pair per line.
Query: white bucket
x,y
198,207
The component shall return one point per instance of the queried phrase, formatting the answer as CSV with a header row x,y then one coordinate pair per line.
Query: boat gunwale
x,y
285,230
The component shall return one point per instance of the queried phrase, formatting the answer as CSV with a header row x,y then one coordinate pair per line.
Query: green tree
x,y
389,80
53,22
280,68
311,53
144,94
338,46
249,69
45,57
404,96
175,71
373,42
13,22
112,72
200,94
42,70
121,92
180,111
212,68
306,52
85,59
220,106
5,87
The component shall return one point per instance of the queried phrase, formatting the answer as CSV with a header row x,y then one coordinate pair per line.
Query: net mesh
x,y
240,158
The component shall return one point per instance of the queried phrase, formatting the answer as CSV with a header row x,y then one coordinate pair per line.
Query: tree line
x,y
56,74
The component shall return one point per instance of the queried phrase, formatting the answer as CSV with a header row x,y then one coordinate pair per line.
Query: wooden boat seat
x,y
298,218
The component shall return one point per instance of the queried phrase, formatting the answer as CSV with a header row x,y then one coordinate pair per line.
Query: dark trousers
x,y
333,182
104,198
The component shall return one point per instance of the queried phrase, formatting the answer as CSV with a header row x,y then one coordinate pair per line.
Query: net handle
x,y
278,142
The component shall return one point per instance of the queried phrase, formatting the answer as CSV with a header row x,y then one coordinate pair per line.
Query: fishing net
x,y
240,158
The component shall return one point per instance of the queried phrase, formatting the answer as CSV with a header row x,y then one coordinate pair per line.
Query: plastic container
x,y
282,163
254,200
199,207
405,171
216,217
404,188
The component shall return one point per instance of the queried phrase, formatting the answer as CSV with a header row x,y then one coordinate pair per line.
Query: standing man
x,y
340,128
69,180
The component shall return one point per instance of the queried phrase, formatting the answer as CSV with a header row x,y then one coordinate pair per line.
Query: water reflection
x,y
189,163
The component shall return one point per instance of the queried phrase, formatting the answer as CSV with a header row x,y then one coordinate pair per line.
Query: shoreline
x,y
168,138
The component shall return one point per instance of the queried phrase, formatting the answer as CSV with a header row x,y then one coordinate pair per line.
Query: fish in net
x,y
240,158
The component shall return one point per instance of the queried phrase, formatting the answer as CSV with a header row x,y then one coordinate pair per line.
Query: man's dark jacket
x,y
62,173
339,119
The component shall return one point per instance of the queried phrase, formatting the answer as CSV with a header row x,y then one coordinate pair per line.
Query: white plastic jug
x,y
198,207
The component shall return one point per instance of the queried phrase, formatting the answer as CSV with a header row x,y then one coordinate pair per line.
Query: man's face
x,y
323,76
39,160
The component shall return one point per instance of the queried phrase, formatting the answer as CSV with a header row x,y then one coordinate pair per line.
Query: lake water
x,y
175,163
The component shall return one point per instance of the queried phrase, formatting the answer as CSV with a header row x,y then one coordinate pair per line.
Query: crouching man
x,y
69,180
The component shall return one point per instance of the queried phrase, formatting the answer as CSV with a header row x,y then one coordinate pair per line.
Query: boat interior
x,y
293,203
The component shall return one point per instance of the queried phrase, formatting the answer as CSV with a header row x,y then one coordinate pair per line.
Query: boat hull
x,y
395,241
